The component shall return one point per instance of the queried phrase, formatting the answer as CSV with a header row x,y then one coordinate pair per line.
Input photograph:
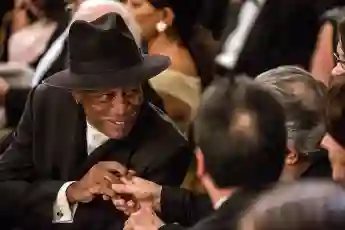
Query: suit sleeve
x,y
183,206
174,168
18,168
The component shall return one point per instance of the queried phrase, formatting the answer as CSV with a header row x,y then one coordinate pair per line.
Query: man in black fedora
x,y
87,126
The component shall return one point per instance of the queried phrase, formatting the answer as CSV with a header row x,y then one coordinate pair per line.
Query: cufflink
x,y
59,214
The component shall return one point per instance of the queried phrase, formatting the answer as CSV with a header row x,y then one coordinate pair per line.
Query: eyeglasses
x,y
339,60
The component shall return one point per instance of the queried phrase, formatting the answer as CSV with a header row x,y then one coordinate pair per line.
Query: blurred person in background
x,y
335,139
325,55
173,28
304,100
270,33
316,205
45,20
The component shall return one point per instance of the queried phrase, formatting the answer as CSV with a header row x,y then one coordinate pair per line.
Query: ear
x,y
77,96
200,163
291,158
168,16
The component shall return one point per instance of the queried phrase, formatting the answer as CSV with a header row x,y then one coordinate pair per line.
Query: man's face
x,y
339,69
112,112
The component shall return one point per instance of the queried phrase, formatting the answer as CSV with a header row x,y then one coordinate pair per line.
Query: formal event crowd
x,y
172,114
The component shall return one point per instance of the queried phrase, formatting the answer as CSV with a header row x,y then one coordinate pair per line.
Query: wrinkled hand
x,y
143,219
97,181
4,87
145,194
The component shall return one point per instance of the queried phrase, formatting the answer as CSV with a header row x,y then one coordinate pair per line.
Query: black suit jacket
x,y
49,148
224,218
183,206
284,33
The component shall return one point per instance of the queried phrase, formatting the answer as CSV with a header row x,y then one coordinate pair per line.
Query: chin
x,y
116,136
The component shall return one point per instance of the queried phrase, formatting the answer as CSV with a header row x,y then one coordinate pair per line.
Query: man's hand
x,y
97,181
145,194
143,219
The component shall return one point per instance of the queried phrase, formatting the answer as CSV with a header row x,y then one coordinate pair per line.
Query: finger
x,y
111,178
122,189
114,167
125,180
105,197
119,202
102,190
131,203
130,174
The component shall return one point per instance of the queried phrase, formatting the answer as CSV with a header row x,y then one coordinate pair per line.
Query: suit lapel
x,y
144,140
72,148
110,147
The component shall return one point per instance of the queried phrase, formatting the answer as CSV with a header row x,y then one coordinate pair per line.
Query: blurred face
x,y
112,112
146,16
336,154
339,69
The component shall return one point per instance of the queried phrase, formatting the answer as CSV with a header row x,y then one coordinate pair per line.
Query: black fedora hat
x,y
103,54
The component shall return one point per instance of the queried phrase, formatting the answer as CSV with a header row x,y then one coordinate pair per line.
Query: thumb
x,y
122,188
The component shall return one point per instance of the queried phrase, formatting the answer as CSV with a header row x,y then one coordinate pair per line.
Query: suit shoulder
x,y
43,93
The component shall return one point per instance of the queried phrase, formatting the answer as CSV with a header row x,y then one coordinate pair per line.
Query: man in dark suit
x,y
264,34
55,59
242,138
87,126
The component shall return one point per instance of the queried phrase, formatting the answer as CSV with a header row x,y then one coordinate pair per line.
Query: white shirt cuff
x,y
63,212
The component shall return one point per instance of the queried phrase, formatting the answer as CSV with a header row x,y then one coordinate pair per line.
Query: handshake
x,y
112,181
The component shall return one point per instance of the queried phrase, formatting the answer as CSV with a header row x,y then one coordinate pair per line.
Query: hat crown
x,y
101,45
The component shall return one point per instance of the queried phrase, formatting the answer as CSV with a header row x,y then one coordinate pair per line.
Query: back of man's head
x,y
240,130
304,101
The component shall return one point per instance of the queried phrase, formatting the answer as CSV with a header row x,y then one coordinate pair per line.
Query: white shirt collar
x,y
94,138
220,202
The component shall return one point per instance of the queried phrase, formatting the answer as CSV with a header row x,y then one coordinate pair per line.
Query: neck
x,y
293,172
215,193
162,45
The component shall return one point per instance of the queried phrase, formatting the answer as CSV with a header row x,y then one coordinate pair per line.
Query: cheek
x,y
147,22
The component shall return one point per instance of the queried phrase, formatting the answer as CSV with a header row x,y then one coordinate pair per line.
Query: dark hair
x,y
240,129
336,109
192,35
308,205
55,10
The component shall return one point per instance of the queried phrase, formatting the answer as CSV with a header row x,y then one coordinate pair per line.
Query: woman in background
x,y
323,59
172,28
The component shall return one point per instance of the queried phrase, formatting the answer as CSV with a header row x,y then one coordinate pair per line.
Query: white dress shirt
x,y
62,210
235,42
220,202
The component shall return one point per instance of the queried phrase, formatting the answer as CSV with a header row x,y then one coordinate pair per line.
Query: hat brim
x,y
150,67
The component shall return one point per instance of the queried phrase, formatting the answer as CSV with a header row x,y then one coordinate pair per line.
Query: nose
x,y
119,105
338,70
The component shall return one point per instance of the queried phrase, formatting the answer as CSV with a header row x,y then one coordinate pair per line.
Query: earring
x,y
161,26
